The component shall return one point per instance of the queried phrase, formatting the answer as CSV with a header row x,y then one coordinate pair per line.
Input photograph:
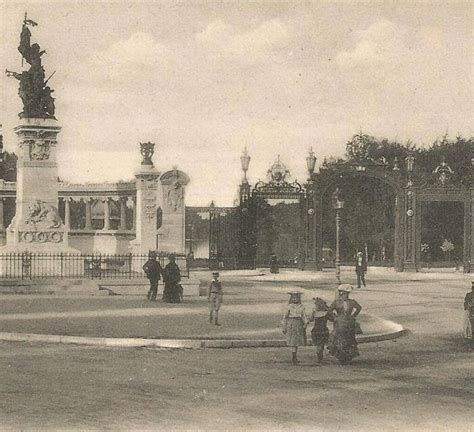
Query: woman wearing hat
x,y
171,278
294,324
320,332
342,342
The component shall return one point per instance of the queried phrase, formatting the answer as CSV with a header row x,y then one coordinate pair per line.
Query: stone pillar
x,y
123,213
88,214
173,185
37,226
146,203
106,202
134,212
2,223
67,213
308,256
412,214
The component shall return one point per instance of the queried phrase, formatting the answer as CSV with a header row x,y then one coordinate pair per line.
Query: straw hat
x,y
345,288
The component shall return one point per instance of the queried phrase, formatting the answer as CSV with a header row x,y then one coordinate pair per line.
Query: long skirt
x,y
295,332
467,325
171,293
342,341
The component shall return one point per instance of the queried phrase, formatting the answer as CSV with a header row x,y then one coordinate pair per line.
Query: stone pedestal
x,y
146,207
37,226
172,231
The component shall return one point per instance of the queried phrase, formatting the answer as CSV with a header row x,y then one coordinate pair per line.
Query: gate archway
x,y
410,190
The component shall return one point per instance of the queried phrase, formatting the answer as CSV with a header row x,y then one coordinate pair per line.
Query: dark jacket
x,y
363,266
153,270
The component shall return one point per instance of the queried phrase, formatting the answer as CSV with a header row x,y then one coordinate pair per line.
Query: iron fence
x,y
29,265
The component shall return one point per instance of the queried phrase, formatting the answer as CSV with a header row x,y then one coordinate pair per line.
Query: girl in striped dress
x,y
294,324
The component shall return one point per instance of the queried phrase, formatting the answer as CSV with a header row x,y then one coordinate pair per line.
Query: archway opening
x,y
367,222
278,231
442,234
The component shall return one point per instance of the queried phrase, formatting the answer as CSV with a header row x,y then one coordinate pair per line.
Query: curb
x,y
173,343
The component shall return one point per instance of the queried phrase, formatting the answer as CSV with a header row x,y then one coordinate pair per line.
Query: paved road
x,y
420,382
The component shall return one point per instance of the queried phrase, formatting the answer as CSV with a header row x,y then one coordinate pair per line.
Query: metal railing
x,y
29,265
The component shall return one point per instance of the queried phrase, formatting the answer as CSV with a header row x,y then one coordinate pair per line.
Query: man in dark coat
x,y
153,272
361,268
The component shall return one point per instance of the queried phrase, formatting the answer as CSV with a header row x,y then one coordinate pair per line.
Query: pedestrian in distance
x,y
468,315
320,331
361,268
153,272
294,324
274,266
215,295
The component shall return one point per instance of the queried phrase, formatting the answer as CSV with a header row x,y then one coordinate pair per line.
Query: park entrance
x,y
397,206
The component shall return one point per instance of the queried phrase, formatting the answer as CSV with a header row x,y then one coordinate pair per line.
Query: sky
x,y
204,79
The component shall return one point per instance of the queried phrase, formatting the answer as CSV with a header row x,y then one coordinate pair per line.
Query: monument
x,y
146,204
36,226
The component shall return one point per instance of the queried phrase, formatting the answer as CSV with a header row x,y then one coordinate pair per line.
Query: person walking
x,y
320,331
214,297
468,315
294,324
274,267
171,278
361,268
153,272
342,342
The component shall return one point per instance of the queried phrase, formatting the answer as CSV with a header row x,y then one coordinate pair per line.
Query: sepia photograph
x,y
237,215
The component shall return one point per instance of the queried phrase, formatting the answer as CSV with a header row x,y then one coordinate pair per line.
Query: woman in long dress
x,y
171,278
468,315
294,324
342,341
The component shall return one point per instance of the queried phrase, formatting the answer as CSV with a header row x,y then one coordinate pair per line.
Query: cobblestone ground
x,y
420,382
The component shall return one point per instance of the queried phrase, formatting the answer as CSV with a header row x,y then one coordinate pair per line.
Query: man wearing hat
x,y
214,297
361,268
153,272
468,314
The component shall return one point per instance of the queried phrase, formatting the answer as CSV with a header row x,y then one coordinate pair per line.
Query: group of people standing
x,y
342,312
173,291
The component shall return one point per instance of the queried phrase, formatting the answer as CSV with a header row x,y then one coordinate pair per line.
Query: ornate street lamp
x,y
245,161
410,160
337,205
311,163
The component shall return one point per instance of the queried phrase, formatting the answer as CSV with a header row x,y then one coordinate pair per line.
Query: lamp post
x,y
338,205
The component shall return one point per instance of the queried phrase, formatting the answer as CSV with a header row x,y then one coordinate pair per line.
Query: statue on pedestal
x,y
33,90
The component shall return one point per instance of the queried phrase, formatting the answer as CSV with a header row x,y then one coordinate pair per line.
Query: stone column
x,y
106,202
412,213
67,213
2,223
146,203
88,214
134,212
123,213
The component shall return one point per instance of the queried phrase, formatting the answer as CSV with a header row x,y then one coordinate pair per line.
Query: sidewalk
x,y
250,316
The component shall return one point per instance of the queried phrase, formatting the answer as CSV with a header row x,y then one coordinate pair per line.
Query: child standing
x,y
320,331
214,297
294,324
